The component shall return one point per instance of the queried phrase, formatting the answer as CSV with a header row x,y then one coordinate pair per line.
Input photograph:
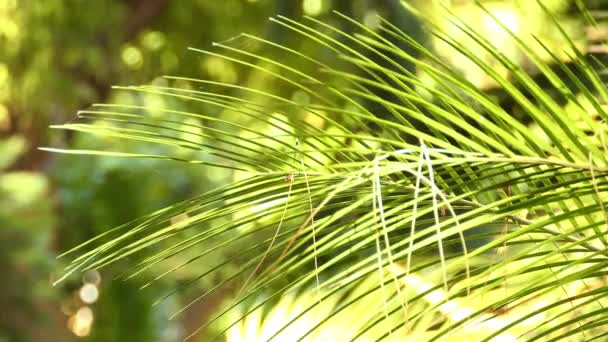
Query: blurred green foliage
x,y
57,57
27,220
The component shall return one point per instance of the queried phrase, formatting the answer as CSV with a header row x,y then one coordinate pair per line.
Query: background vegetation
x,y
58,57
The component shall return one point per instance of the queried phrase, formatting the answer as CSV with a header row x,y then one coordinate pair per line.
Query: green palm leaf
x,y
446,216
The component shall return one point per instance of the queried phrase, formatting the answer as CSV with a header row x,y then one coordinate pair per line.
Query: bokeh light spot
x,y
89,293
91,277
153,40
312,7
80,323
132,57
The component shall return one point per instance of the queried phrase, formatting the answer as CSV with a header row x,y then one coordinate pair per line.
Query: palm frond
x,y
427,212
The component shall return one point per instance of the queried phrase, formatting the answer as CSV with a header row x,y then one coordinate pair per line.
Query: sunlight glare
x,y
506,16
312,7
267,205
